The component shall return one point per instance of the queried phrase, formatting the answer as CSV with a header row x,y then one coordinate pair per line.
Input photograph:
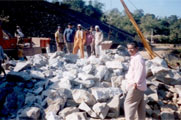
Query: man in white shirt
x,y
98,40
136,84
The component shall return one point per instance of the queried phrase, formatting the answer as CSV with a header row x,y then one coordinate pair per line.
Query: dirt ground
x,y
160,49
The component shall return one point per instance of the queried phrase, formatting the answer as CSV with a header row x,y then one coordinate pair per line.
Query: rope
x,y
133,5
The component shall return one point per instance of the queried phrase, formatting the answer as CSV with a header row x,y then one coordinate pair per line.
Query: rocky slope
x,y
40,19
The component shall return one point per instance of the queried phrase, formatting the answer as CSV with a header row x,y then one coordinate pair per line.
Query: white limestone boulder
x,y
168,77
102,71
103,94
56,62
114,107
55,102
30,113
62,83
85,83
93,60
88,69
70,58
158,69
39,60
160,62
116,81
69,75
77,116
84,76
178,90
52,116
21,65
82,95
37,74
101,109
83,106
115,64
68,110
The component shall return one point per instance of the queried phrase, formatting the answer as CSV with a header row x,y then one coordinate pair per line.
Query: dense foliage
x,y
93,8
162,30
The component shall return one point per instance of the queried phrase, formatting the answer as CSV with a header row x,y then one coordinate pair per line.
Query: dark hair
x,y
70,24
134,43
178,63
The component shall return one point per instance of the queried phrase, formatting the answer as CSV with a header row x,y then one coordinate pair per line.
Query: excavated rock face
x,y
62,86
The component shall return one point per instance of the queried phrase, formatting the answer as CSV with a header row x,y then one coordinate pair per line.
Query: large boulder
x,y
102,71
80,96
88,69
37,74
39,60
101,109
70,58
103,94
33,113
77,116
160,62
83,106
114,107
84,76
18,76
85,83
55,62
21,65
68,110
114,64
55,102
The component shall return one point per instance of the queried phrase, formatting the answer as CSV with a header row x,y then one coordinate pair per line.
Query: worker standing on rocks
x,y
89,40
69,37
59,39
19,34
79,41
98,40
136,85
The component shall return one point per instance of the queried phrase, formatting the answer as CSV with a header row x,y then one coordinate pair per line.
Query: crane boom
x,y
146,45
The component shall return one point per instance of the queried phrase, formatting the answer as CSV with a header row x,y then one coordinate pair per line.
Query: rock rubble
x,y
59,86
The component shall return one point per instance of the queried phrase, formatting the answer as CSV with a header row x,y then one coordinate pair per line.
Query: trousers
x,y
134,102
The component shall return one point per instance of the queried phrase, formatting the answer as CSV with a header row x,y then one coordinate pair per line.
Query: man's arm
x,y
64,36
139,72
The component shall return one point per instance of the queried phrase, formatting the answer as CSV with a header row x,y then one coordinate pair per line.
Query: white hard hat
x,y
79,25
96,26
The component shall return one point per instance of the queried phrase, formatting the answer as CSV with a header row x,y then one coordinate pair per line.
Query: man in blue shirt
x,y
69,37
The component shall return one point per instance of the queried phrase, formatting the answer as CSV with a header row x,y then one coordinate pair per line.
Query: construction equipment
x,y
146,45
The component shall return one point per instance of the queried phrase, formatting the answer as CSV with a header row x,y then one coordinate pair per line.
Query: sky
x,y
160,8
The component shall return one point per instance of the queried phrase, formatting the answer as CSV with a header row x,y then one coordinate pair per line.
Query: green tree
x,y
77,5
175,30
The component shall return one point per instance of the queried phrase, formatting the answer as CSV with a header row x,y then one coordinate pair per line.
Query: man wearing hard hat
x,y
98,40
79,41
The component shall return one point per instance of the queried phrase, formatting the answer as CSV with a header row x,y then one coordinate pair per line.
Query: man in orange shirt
x,y
79,41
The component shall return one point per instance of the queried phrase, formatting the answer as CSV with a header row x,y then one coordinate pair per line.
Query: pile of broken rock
x,y
59,86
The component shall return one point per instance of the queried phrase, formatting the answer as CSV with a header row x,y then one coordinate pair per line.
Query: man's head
x,y
59,28
178,64
91,28
79,26
132,48
69,25
97,28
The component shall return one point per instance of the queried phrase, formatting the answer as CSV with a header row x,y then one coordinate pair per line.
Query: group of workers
x,y
75,40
